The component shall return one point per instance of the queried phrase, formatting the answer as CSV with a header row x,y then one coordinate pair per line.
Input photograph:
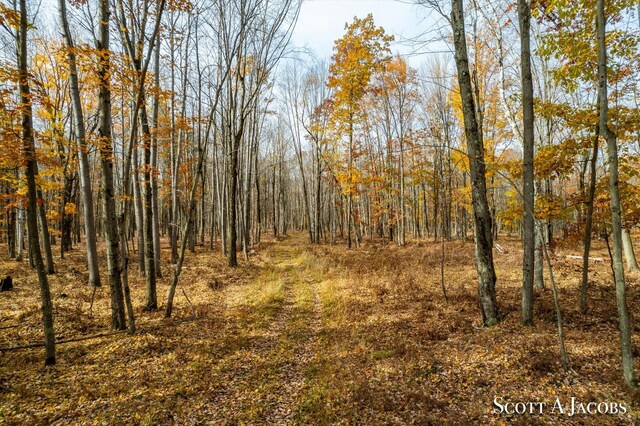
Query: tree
x,y
616,216
315,121
85,179
139,63
575,71
254,38
293,92
397,91
360,53
589,220
106,161
475,149
31,170
528,271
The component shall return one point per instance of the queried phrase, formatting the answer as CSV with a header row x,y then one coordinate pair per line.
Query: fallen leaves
x,y
303,334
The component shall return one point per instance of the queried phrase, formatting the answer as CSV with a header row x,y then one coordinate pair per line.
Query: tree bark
x,y
83,169
46,235
31,170
154,163
150,269
588,223
482,215
616,216
174,157
350,183
140,64
185,234
629,254
11,225
233,202
401,219
138,210
106,161
539,265
524,17
20,232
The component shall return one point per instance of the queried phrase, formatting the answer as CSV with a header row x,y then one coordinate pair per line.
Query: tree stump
x,y
6,283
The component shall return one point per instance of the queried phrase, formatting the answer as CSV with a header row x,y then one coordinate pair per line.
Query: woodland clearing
x,y
135,132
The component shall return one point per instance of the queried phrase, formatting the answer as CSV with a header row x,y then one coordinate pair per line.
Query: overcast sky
x,y
321,22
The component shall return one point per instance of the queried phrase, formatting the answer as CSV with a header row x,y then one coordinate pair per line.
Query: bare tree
x,y
139,61
254,38
85,179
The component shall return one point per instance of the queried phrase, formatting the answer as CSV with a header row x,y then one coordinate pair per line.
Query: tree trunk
x,y
185,234
83,169
401,220
524,17
106,160
11,226
233,202
46,236
564,357
150,269
31,170
66,220
539,264
20,232
588,224
616,216
318,209
174,157
305,191
138,211
140,64
350,183
482,215
154,164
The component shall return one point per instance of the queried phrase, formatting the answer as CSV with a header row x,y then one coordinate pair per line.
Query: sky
x,y
321,22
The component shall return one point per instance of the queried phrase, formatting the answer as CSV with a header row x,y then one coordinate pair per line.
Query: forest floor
x,y
303,334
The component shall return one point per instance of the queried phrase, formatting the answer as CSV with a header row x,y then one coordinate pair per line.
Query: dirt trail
x,y
295,332
286,343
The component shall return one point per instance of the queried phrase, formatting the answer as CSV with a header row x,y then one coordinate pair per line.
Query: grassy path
x,y
281,312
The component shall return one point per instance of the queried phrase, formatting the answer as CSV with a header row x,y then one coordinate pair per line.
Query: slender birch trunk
x,y
83,169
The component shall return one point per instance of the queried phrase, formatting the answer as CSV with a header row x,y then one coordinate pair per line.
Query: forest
x,y
203,222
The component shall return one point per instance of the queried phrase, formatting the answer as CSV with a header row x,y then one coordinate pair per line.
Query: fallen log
x,y
591,259
96,336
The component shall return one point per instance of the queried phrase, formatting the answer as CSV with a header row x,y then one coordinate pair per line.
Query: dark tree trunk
x,y
233,202
31,170
106,161
150,269
481,213
616,214
588,224
524,17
